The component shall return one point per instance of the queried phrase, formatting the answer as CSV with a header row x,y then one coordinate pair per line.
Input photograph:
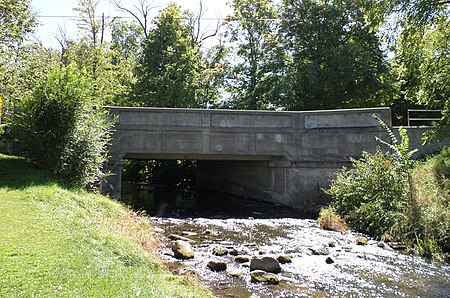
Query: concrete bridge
x,y
280,157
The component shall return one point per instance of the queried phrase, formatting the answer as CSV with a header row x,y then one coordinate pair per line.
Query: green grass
x,y
431,181
61,242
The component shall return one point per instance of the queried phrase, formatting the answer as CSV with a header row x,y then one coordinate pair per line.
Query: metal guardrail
x,y
409,111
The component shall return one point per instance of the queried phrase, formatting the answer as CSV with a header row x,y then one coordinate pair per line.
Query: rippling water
x,y
259,229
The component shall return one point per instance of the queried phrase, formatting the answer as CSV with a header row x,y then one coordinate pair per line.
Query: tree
x,y
140,12
253,27
336,59
422,55
17,22
169,67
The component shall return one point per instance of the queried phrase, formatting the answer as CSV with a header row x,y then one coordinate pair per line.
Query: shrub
x,y
59,128
386,195
375,195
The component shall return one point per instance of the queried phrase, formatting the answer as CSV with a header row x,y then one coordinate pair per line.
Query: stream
x,y
258,229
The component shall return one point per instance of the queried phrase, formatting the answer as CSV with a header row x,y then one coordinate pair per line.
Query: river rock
x,y
216,266
267,264
264,277
246,264
189,272
283,259
329,260
158,230
397,245
219,251
189,233
233,252
321,251
380,244
242,259
361,240
235,272
182,250
179,237
331,244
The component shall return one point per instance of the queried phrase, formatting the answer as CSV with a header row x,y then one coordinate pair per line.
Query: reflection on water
x,y
257,229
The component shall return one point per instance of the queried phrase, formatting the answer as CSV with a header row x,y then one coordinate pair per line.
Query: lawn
x,y
57,241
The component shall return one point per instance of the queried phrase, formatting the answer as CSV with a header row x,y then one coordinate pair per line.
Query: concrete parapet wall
x,y
280,157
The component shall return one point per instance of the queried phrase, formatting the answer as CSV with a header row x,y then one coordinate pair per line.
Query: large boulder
x,y
182,250
267,264
216,266
265,277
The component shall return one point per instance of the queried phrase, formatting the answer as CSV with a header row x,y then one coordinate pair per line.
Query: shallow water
x,y
259,229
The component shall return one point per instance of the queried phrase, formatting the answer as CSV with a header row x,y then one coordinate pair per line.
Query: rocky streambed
x,y
291,257
226,233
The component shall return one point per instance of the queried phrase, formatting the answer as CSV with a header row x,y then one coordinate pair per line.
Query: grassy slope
x,y
67,243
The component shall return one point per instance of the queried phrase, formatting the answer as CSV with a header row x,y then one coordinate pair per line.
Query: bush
x,y
375,196
60,129
388,196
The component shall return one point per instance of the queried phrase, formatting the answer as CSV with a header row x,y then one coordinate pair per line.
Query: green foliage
x,y
422,59
168,72
336,57
16,21
431,180
60,130
375,195
252,82
386,195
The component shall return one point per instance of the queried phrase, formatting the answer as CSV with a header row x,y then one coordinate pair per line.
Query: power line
x,y
130,17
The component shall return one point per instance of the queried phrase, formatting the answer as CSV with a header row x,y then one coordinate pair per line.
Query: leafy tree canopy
x,y
169,67
336,57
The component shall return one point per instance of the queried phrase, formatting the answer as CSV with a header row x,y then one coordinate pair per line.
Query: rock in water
x,y
267,264
283,259
321,251
235,272
219,251
233,252
242,259
182,250
361,240
397,245
265,277
216,266
329,260
178,237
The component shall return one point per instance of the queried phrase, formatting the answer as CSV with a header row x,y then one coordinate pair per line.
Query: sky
x,y
55,14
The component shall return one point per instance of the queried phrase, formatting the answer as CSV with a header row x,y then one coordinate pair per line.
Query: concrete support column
x,y
111,185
